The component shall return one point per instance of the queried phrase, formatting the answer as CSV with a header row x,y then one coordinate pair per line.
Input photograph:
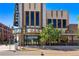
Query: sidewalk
x,y
8,47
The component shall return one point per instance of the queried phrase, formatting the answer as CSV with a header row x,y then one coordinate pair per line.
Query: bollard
x,y
42,54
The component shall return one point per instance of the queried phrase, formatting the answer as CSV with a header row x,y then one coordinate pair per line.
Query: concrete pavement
x,y
31,51
7,47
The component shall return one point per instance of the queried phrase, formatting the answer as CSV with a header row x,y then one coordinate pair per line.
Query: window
x,y
54,23
37,18
29,5
32,18
34,5
49,21
51,13
27,18
61,13
56,13
64,23
59,23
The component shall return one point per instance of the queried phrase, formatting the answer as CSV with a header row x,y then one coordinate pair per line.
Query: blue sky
x,y
7,11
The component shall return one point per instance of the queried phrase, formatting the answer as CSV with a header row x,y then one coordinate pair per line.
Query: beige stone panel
x,y
26,6
32,6
54,14
59,15
39,6
65,14
48,14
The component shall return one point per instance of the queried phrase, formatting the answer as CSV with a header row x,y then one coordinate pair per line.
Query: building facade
x,y
72,28
59,19
32,17
5,33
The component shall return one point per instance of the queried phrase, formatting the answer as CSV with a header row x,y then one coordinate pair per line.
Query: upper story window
x,y
29,5
27,18
32,18
54,23
37,18
64,23
59,23
49,21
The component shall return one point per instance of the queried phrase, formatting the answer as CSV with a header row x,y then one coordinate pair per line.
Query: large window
x,y
27,18
32,18
64,23
59,23
37,18
54,23
49,21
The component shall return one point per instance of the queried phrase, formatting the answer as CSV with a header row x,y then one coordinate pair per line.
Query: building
x,y
5,33
32,17
59,18
73,28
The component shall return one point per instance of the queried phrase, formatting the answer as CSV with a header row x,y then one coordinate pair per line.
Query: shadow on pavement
x,y
60,48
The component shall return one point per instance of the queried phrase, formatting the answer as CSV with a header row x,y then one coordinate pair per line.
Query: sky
x,y
7,11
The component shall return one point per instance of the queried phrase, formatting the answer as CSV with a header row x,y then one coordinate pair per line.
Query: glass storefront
x,y
31,39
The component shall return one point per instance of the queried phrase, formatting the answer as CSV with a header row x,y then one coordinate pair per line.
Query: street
x,y
30,51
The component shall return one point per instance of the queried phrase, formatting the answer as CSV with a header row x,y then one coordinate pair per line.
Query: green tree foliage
x,y
49,34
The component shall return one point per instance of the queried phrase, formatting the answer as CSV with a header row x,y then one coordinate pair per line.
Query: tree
x,y
56,35
49,34
44,35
